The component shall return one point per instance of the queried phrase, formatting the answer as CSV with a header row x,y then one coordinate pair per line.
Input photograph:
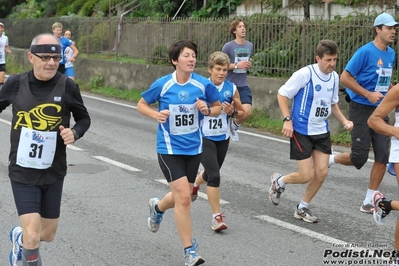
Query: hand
x,y
202,107
375,96
8,51
67,135
287,130
228,108
163,116
348,125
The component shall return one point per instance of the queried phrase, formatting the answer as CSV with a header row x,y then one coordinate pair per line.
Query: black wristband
x,y
209,112
75,134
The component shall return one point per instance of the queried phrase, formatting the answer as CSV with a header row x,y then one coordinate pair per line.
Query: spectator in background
x,y
69,70
4,48
57,30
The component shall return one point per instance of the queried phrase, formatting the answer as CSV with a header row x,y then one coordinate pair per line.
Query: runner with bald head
x,y
42,102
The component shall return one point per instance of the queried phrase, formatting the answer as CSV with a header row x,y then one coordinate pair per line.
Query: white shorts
x,y
393,155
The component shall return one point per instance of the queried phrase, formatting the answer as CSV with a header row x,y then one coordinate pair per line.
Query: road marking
x,y
301,230
73,147
5,122
109,101
200,194
121,165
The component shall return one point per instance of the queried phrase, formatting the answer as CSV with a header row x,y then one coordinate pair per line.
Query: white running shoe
x,y
233,131
379,212
16,252
275,190
305,214
155,219
218,224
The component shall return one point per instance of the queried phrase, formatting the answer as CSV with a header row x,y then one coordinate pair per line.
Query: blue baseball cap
x,y
385,19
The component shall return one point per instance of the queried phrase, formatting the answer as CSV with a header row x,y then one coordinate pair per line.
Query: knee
x,y
305,178
48,235
183,201
214,181
358,160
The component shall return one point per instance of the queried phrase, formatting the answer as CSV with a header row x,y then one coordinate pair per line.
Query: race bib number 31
x,y
36,149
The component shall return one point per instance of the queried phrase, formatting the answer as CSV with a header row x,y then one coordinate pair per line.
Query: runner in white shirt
x,y
4,48
314,90
68,53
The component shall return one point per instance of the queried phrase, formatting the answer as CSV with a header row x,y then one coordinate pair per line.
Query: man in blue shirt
x,y
367,77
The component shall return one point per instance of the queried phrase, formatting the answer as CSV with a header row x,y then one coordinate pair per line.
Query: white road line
x,y
109,101
73,147
301,230
121,165
5,122
200,194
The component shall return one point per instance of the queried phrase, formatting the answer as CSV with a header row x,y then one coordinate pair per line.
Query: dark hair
x,y
375,29
177,48
68,30
233,26
326,47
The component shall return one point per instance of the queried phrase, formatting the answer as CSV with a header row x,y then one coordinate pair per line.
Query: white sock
x,y
369,195
215,214
195,185
331,160
303,204
280,182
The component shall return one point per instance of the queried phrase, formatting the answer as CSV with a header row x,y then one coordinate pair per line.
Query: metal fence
x,y
281,45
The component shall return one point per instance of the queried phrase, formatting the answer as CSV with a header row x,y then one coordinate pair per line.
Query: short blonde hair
x,y
56,25
218,58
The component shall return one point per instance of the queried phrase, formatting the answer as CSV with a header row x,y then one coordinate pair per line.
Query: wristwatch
x,y
75,134
287,118
234,114
235,66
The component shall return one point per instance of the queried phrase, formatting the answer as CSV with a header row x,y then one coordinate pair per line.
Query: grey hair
x,y
40,36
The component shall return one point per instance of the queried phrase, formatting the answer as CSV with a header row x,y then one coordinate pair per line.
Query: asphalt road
x,y
113,171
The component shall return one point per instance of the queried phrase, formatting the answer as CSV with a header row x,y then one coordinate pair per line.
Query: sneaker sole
x,y
366,211
297,216
199,262
221,228
375,216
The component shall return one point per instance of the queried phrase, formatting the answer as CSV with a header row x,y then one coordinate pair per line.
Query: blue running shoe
x,y
155,219
16,252
191,258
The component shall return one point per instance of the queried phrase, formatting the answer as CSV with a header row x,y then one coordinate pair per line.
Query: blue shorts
x,y
70,72
245,95
45,199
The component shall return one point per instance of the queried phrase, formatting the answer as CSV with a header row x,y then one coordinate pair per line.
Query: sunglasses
x,y
46,58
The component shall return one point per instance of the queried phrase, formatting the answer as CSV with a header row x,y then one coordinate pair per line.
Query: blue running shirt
x,y
218,128
372,69
313,92
181,134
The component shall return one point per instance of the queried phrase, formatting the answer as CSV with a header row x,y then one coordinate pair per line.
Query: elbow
x,y
370,122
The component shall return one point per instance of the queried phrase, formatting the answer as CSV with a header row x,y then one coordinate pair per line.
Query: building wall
x,y
322,11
